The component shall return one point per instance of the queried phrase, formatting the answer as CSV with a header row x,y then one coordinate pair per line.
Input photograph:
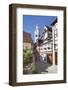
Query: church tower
x,y
36,34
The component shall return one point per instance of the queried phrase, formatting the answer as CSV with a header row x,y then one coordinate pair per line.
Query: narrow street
x,y
41,66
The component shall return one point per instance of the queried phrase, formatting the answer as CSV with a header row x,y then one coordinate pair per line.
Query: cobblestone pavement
x,y
43,67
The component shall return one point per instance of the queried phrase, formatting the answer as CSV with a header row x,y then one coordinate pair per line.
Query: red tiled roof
x,y
27,37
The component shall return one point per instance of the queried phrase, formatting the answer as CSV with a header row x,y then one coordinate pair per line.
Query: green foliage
x,y
27,55
34,72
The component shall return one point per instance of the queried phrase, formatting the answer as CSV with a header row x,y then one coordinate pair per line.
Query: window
x,y
55,31
55,46
35,35
48,47
56,34
45,48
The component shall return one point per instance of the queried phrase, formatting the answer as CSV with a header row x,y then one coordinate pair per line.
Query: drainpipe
x,y
46,58
53,28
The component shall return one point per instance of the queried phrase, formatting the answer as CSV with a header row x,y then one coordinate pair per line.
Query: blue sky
x,y
30,22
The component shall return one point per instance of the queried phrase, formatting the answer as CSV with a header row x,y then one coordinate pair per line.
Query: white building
x,y
48,42
36,34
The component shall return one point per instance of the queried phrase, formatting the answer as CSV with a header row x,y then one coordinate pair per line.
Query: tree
x,y
27,56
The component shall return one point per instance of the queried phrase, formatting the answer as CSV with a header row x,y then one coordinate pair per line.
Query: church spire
x,y
36,33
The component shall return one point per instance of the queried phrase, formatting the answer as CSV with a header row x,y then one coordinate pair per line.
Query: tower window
x,y
35,35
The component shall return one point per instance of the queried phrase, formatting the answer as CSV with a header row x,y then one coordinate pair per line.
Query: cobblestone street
x,y
43,67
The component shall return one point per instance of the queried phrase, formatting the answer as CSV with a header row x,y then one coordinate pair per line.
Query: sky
x,y
30,22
